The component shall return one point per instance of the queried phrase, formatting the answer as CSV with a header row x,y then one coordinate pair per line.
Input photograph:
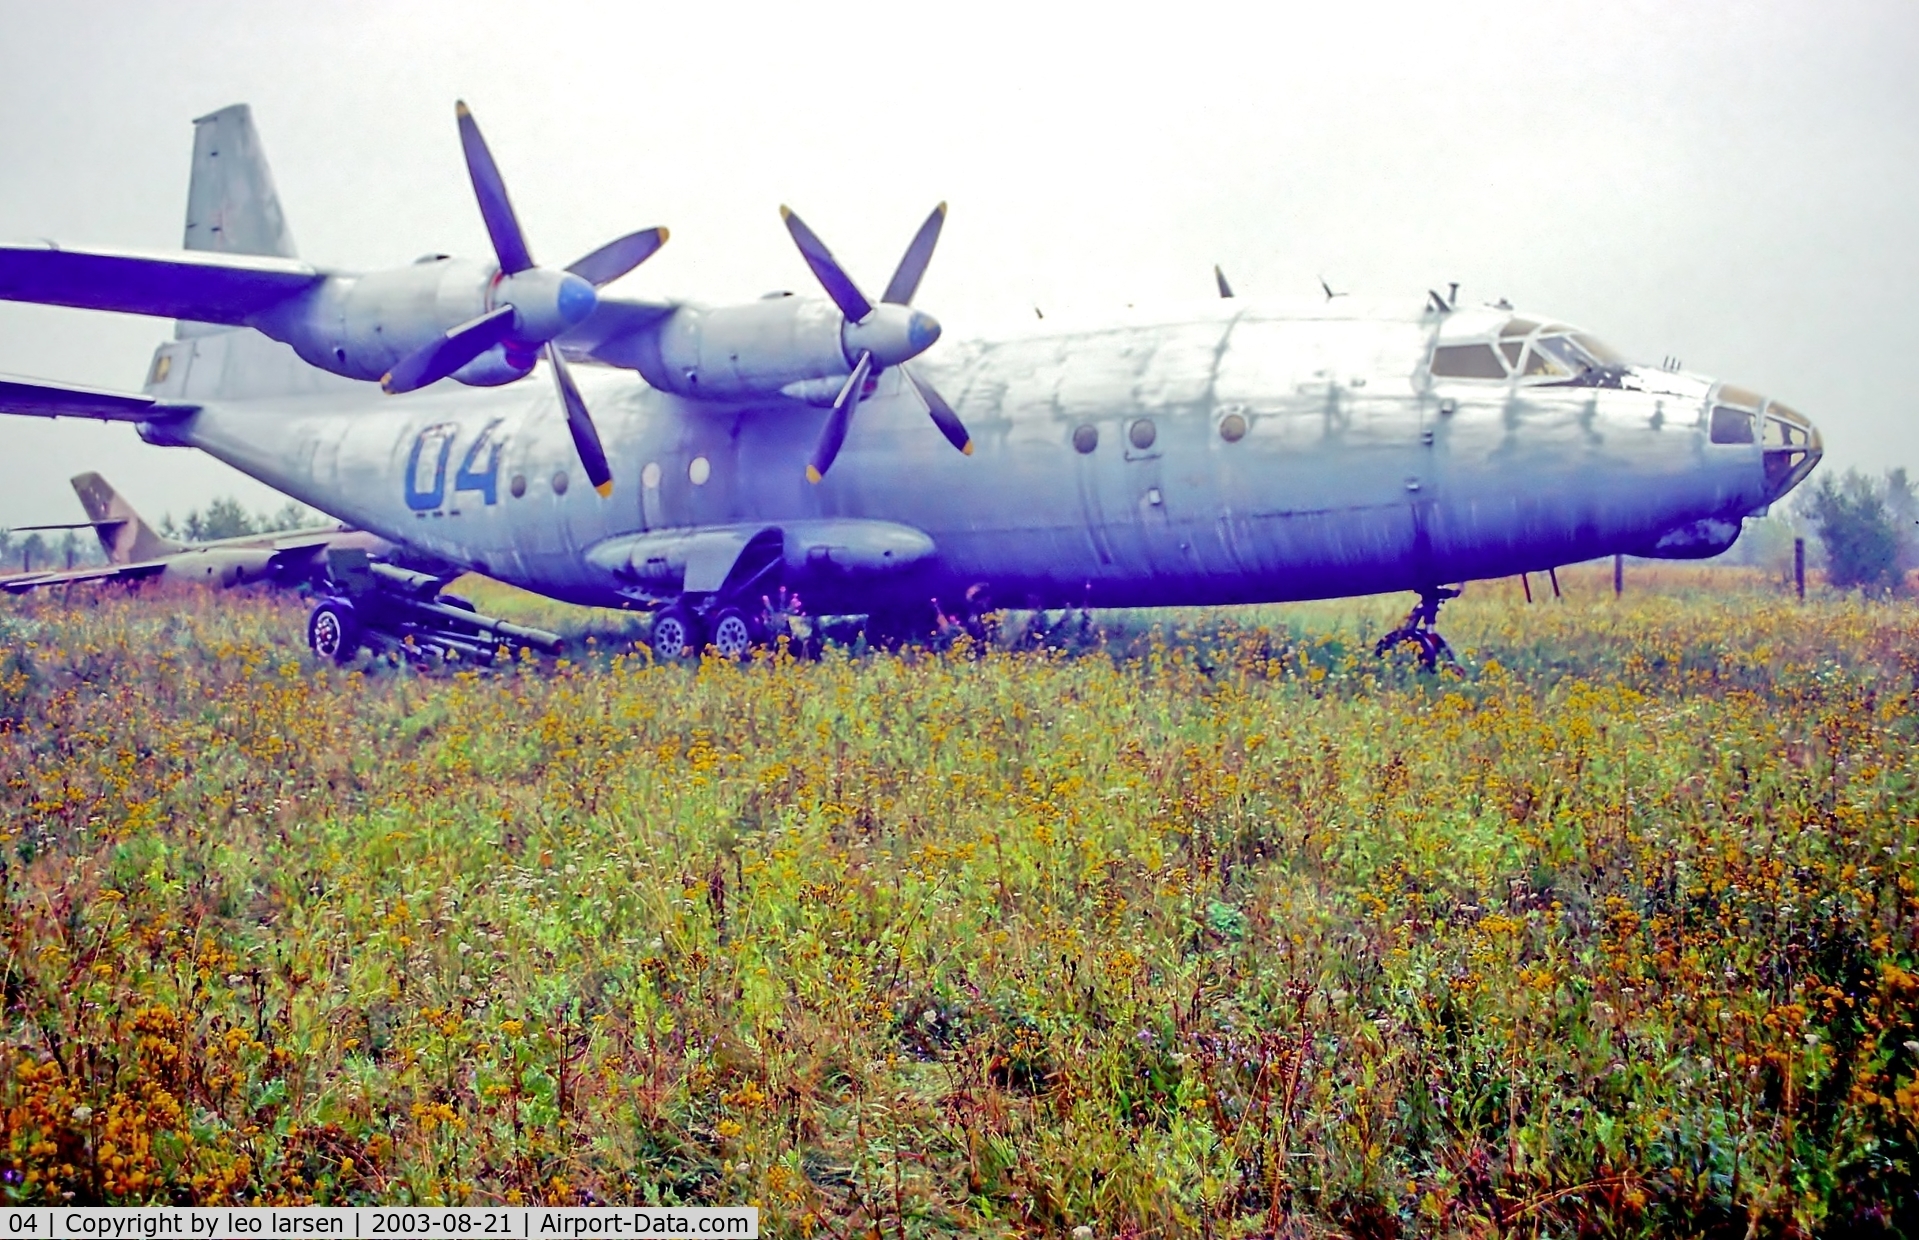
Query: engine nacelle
x,y
800,347
362,326
747,351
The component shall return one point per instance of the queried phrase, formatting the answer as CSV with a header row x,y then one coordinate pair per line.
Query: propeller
x,y
875,337
532,305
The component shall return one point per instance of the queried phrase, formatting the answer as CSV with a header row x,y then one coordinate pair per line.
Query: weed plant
x,y
1209,925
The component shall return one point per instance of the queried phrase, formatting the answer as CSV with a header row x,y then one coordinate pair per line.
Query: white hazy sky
x,y
1733,184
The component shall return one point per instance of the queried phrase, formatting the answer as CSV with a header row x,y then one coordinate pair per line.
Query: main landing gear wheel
x,y
333,631
676,634
735,634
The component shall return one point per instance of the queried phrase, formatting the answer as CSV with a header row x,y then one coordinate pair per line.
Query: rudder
x,y
124,536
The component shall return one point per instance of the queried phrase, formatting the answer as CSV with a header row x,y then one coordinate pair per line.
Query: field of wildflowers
x,y
1222,927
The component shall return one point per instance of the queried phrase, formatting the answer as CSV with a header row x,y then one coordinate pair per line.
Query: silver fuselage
x,y
1357,471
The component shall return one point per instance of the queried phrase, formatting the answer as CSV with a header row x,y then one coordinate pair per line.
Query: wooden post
x,y
1552,574
1525,579
1618,575
1799,568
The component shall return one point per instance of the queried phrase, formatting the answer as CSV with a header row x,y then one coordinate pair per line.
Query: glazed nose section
x,y
1792,446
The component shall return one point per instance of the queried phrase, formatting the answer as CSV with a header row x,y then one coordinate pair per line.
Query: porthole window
x,y
1085,438
559,483
650,476
1232,428
699,471
518,486
1142,433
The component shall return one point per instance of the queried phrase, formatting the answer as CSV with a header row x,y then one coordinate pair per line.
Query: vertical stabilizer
x,y
231,203
123,535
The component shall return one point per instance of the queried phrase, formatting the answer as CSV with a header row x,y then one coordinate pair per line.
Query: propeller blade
x,y
906,277
941,413
834,433
586,440
616,258
454,349
1225,289
509,244
839,286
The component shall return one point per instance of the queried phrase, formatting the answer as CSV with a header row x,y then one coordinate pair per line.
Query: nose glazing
x,y
1792,447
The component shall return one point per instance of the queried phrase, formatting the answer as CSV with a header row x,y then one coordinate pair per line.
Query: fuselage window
x,y
1467,361
1731,425
1085,438
1232,428
1143,433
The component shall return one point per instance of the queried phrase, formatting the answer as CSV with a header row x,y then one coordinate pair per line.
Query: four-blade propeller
x,y
529,306
875,337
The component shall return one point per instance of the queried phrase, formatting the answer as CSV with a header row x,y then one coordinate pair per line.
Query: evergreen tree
x,y
1856,524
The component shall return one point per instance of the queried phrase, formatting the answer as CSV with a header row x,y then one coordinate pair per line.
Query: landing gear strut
x,y
1420,629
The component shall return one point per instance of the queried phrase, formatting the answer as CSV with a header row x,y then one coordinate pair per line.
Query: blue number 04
x,y
477,475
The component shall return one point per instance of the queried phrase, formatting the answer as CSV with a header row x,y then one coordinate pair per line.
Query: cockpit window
x,y
1512,349
1467,361
1605,353
1731,425
1541,364
1520,328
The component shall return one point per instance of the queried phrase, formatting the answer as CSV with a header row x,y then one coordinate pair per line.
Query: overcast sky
x,y
1733,184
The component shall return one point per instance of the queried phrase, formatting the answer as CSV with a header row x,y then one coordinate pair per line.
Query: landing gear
x,y
1420,629
333,631
677,633
735,633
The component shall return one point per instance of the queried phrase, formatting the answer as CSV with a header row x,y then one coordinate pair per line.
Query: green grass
x,y
1218,924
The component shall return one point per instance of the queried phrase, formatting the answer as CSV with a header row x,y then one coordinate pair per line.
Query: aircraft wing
x,y
40,399
206,287
617,332
20,583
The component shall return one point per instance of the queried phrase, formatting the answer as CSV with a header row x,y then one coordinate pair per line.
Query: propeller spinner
x,y
530,305
875,337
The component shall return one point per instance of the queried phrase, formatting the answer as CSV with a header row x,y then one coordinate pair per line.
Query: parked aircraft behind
x,y
137,552
1236,451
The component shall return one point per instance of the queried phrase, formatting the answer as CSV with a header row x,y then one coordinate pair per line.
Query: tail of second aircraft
x,y
124,536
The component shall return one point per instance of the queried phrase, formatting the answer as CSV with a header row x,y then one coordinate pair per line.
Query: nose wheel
x,y
1420,630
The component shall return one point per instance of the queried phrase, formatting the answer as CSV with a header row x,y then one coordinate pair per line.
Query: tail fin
x,y
231,203
123,535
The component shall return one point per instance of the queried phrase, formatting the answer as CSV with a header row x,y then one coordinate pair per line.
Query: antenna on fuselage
x,y
1225,289
1328,289
1452,293
1437,303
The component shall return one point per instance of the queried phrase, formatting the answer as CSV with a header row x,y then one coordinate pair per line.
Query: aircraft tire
x,y
677,634
333,631
735,634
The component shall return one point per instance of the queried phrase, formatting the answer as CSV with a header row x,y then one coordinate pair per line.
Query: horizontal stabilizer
x,y
204,287
40,399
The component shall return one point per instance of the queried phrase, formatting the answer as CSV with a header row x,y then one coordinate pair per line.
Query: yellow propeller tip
x,y
786,212
813,475
386,383
967,450
605,488
664,234
460,108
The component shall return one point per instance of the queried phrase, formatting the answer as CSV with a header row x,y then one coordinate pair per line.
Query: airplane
x,y
135,551
1239,450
